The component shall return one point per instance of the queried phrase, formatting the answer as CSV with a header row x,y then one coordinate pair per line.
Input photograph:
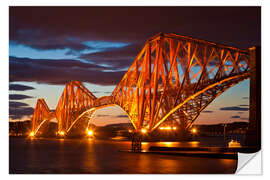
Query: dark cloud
x,y
17,113
101,92
60,63
18,109
208,111
15,104
245,97
235,117
102,115
117,58
51,28
234,108
60,72
51,44
122,116
244,105
95,92
19,87
18,96
67,27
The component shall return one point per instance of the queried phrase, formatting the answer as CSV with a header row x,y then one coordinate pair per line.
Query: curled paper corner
x,y
249,163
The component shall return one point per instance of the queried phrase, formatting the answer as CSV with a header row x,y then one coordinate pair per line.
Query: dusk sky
x,y
49,46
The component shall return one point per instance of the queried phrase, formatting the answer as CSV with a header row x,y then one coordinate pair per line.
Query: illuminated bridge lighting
x,y
32,134
90,133
194,130
144,131
61,133
168,128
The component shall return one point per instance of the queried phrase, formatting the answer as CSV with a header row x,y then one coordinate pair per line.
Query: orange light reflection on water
x,y
227,162
145,143
168,144
194,143
90,139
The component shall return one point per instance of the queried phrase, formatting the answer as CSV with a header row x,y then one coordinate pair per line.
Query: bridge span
x,y
172,78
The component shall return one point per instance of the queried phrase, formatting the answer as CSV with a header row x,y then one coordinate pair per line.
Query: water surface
x,y
75,156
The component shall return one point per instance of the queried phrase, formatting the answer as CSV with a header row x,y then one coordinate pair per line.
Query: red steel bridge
x,y
173,78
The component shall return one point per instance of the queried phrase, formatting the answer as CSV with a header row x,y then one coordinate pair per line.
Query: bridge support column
x,y
253,134
136,145
183,130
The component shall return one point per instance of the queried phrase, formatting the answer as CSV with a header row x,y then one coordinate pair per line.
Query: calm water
x,y
73,156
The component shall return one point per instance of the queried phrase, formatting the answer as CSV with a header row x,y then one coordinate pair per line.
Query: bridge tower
x,y
75,100
176,77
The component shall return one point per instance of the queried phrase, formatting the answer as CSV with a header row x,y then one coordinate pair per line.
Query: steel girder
x,y
75,99
172,78
41,116
176,77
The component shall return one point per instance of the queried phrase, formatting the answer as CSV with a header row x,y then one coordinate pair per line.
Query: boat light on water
x,y
234,143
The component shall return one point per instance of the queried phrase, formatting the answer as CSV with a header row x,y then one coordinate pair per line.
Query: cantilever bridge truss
x,y
172,78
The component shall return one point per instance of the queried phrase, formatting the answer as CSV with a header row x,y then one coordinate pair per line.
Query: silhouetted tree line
x,y
22,128
19,128
219,128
